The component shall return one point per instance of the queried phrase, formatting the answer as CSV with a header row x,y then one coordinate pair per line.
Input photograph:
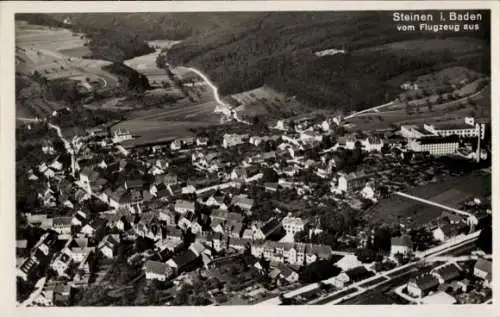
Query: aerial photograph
x,y
253,158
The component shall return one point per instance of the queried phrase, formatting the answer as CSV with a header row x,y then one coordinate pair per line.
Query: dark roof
x,y
270,226
449,272
359,273
404,240
427,282
438,139
156,267
184,259
483,265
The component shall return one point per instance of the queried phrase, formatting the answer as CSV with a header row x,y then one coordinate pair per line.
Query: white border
x,y
7,138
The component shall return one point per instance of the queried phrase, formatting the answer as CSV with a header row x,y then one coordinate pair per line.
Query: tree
x,y
429,104
365,255
408,108
382,240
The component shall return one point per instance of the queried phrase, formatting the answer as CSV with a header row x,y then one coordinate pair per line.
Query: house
x,y
452,218
281,125
482,270
359,273
197,248
87,177
187,220
40,220
95,228
447,273
133,183
217,225
155,270
183,261
216,241
62,262
402,244
242,201
183,206
352,182
173,234
348,262
167,215
121,135
189,189
271,226
196,228
46,196
292,225
62,294
46,171
372,144
62,225
422,285
21,248
444,232
108,245
230,140
176,145
288,274
201,141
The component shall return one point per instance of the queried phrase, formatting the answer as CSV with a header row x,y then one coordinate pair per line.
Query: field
x,y
265,101
173,121
79,52
48,38
478,104
397,209
41,51
146,65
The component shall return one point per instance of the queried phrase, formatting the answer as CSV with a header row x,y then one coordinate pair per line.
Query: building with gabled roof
x,y
155,270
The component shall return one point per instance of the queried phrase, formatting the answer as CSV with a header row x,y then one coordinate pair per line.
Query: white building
x,y
230,140
121,135
292,225
435,145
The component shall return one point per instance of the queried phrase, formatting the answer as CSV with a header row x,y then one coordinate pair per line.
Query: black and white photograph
x,y
265,157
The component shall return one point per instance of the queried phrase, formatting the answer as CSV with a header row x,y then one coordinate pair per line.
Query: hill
x,y
278,49
119,36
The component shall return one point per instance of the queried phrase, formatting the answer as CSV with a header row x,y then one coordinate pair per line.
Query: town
x,y
283,165
250,216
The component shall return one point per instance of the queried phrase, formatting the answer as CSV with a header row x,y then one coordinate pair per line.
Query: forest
x,y
274,52
242,51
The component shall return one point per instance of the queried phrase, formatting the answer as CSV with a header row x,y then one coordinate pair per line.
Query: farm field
x,y
48,38
447,112
163,124
54,54
264,101
397,209
79,52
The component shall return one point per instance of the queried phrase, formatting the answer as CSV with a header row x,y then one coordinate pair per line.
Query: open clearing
x,y
49,38
397,209
155,125
263,101
41,49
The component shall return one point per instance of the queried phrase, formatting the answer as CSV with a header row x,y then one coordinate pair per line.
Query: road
x,y
470,217
368,110
25,119
226,109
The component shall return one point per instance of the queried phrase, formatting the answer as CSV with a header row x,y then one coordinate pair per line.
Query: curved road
x,y
226,108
